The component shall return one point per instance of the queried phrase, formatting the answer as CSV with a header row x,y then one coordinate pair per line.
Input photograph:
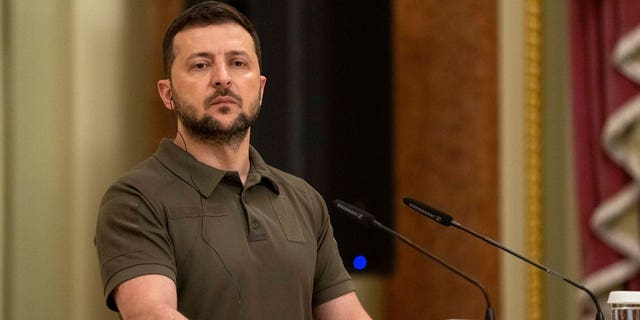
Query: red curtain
x,y
599,89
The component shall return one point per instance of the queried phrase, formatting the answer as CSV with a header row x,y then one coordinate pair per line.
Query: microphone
x,y
368,219
446,220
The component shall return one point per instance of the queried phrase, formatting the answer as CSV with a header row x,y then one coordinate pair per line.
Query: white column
x,y
3,189
109,129
75,106
37,163
560,230
512,212
561,224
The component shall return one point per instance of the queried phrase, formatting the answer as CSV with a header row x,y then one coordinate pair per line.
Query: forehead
x,y
216,38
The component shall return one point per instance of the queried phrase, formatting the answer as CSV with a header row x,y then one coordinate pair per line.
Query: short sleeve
x,y
131,238
331,278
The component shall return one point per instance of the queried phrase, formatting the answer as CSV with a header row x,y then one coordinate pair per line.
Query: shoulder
x,y
142,185
290,183
148,175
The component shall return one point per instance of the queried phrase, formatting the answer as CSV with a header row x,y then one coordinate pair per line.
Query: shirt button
x,y
255,225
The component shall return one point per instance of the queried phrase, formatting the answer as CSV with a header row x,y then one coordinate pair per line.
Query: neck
x,y
226,157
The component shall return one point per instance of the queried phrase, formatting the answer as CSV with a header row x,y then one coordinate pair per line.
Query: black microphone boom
x,y
368,219
447,220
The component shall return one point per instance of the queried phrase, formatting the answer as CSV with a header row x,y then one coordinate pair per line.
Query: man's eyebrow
x,y
235,53
202,54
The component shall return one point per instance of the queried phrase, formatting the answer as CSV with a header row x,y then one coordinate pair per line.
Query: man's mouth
x,y
224,100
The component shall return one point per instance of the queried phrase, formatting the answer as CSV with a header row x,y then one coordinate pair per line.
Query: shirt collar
x,y
205,178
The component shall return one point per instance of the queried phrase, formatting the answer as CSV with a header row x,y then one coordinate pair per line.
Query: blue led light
x,y
359,262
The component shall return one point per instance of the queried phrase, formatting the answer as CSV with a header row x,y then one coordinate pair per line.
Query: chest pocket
x,y
185,227
288,219
196,211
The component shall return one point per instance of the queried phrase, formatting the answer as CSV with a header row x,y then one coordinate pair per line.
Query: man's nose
x,y
221,77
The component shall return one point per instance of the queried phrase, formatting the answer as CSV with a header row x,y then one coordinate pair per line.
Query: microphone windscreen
x,y
430,212
354,212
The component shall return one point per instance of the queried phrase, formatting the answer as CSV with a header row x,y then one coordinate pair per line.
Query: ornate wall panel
x,y
446,126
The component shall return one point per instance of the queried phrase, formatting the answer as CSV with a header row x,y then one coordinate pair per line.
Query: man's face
x,y
216,84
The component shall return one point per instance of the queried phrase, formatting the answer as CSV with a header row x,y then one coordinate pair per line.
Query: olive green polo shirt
x,y
264,250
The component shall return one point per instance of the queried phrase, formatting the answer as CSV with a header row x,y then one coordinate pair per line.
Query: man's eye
x,y
238,63
200,66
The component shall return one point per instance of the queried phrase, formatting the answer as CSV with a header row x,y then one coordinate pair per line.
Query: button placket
x,y
256,230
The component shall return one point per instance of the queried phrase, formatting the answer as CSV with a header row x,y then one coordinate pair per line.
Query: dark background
x,y
326,113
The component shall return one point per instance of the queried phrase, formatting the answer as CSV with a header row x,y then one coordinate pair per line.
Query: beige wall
x,y
3,106
72,79
110,127
37,118
561,227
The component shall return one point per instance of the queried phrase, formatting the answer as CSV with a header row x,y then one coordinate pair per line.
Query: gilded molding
x,y
534,154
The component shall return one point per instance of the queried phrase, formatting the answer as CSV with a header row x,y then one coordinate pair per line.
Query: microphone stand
x,y
599,315
447,220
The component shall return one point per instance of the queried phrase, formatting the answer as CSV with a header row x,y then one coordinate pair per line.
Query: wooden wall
x,y
446,153
161,13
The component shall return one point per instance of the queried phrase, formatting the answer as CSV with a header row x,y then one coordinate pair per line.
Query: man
x,y
204,229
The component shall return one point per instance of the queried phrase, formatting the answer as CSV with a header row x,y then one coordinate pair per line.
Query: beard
x,y
209,130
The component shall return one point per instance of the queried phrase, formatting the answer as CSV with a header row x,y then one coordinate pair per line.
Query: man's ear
x,y
263,83
166,93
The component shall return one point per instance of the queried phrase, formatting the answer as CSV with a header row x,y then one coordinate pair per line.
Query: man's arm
x,y
148,297
345,307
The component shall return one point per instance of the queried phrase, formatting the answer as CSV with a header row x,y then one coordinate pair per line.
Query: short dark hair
x,y
204,14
